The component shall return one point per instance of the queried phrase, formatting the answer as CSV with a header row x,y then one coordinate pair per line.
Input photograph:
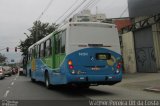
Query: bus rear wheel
x,y
47,82
83,86
32,79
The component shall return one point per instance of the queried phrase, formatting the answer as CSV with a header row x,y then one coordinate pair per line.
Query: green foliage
x,y
37,32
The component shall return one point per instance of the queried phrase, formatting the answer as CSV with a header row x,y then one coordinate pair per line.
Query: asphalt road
x,y
20,89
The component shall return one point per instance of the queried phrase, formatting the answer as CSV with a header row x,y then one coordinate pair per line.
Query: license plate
x,y
95,68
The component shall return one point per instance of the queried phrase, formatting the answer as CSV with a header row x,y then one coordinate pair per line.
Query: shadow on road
x,y
76,92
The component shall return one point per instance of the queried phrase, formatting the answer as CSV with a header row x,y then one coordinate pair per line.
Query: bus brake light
x,y
119,66
71,67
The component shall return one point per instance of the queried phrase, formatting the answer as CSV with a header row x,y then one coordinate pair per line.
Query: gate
x,y
144,48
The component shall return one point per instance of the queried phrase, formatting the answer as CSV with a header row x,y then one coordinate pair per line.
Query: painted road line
x,y
12,83
5,95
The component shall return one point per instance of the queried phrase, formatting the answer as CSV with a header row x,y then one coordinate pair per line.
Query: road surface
x,y
20,89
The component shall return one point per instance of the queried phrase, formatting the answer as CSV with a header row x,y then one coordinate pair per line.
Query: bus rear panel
x,y
93,54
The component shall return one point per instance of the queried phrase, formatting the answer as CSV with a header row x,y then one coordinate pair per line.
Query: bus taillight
x,y
119,66
70,64
71,67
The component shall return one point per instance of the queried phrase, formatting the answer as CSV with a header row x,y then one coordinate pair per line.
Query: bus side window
x,y
39,51
42,50
63,41
32,53
57,43
28,55
35,51
48,49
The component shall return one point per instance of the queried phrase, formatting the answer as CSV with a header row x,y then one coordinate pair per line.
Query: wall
x,y
143,7
156,40
128,53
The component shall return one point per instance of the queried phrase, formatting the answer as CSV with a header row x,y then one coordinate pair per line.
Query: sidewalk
x,y
141,81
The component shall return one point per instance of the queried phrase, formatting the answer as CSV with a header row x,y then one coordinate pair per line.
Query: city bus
x,y
78,53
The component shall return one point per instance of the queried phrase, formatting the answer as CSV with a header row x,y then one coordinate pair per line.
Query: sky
x,y
16,16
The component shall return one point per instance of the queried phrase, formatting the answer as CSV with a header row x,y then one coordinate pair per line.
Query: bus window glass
x,y
39,50
42,50
48,48
63,41
35,51
57,46
32,53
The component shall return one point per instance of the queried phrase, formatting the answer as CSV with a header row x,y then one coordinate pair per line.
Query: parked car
x,y
20,71
14,70
7,70
2,73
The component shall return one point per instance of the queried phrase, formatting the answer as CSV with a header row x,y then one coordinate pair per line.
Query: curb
x,y
154,89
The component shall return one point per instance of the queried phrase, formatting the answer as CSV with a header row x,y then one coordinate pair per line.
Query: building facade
x,y
141,40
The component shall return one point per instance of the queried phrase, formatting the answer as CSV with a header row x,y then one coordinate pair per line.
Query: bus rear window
x,y
103,56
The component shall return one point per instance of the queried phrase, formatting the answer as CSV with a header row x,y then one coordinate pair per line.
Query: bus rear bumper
x,y
95,79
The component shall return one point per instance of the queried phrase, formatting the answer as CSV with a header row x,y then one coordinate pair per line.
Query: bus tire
x,y
84,86
47,82
32,79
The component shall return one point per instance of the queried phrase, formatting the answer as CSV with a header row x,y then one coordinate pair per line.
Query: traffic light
x,y
7,49
15,49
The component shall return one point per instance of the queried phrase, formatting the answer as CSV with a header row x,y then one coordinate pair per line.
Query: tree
x,y
37,32
2,58
40,30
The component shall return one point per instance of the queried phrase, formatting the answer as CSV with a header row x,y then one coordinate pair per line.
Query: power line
x,y
46,8
66,11
75,9
89,3
94,4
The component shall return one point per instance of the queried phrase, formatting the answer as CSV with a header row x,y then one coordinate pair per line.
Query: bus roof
x,y
85,23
